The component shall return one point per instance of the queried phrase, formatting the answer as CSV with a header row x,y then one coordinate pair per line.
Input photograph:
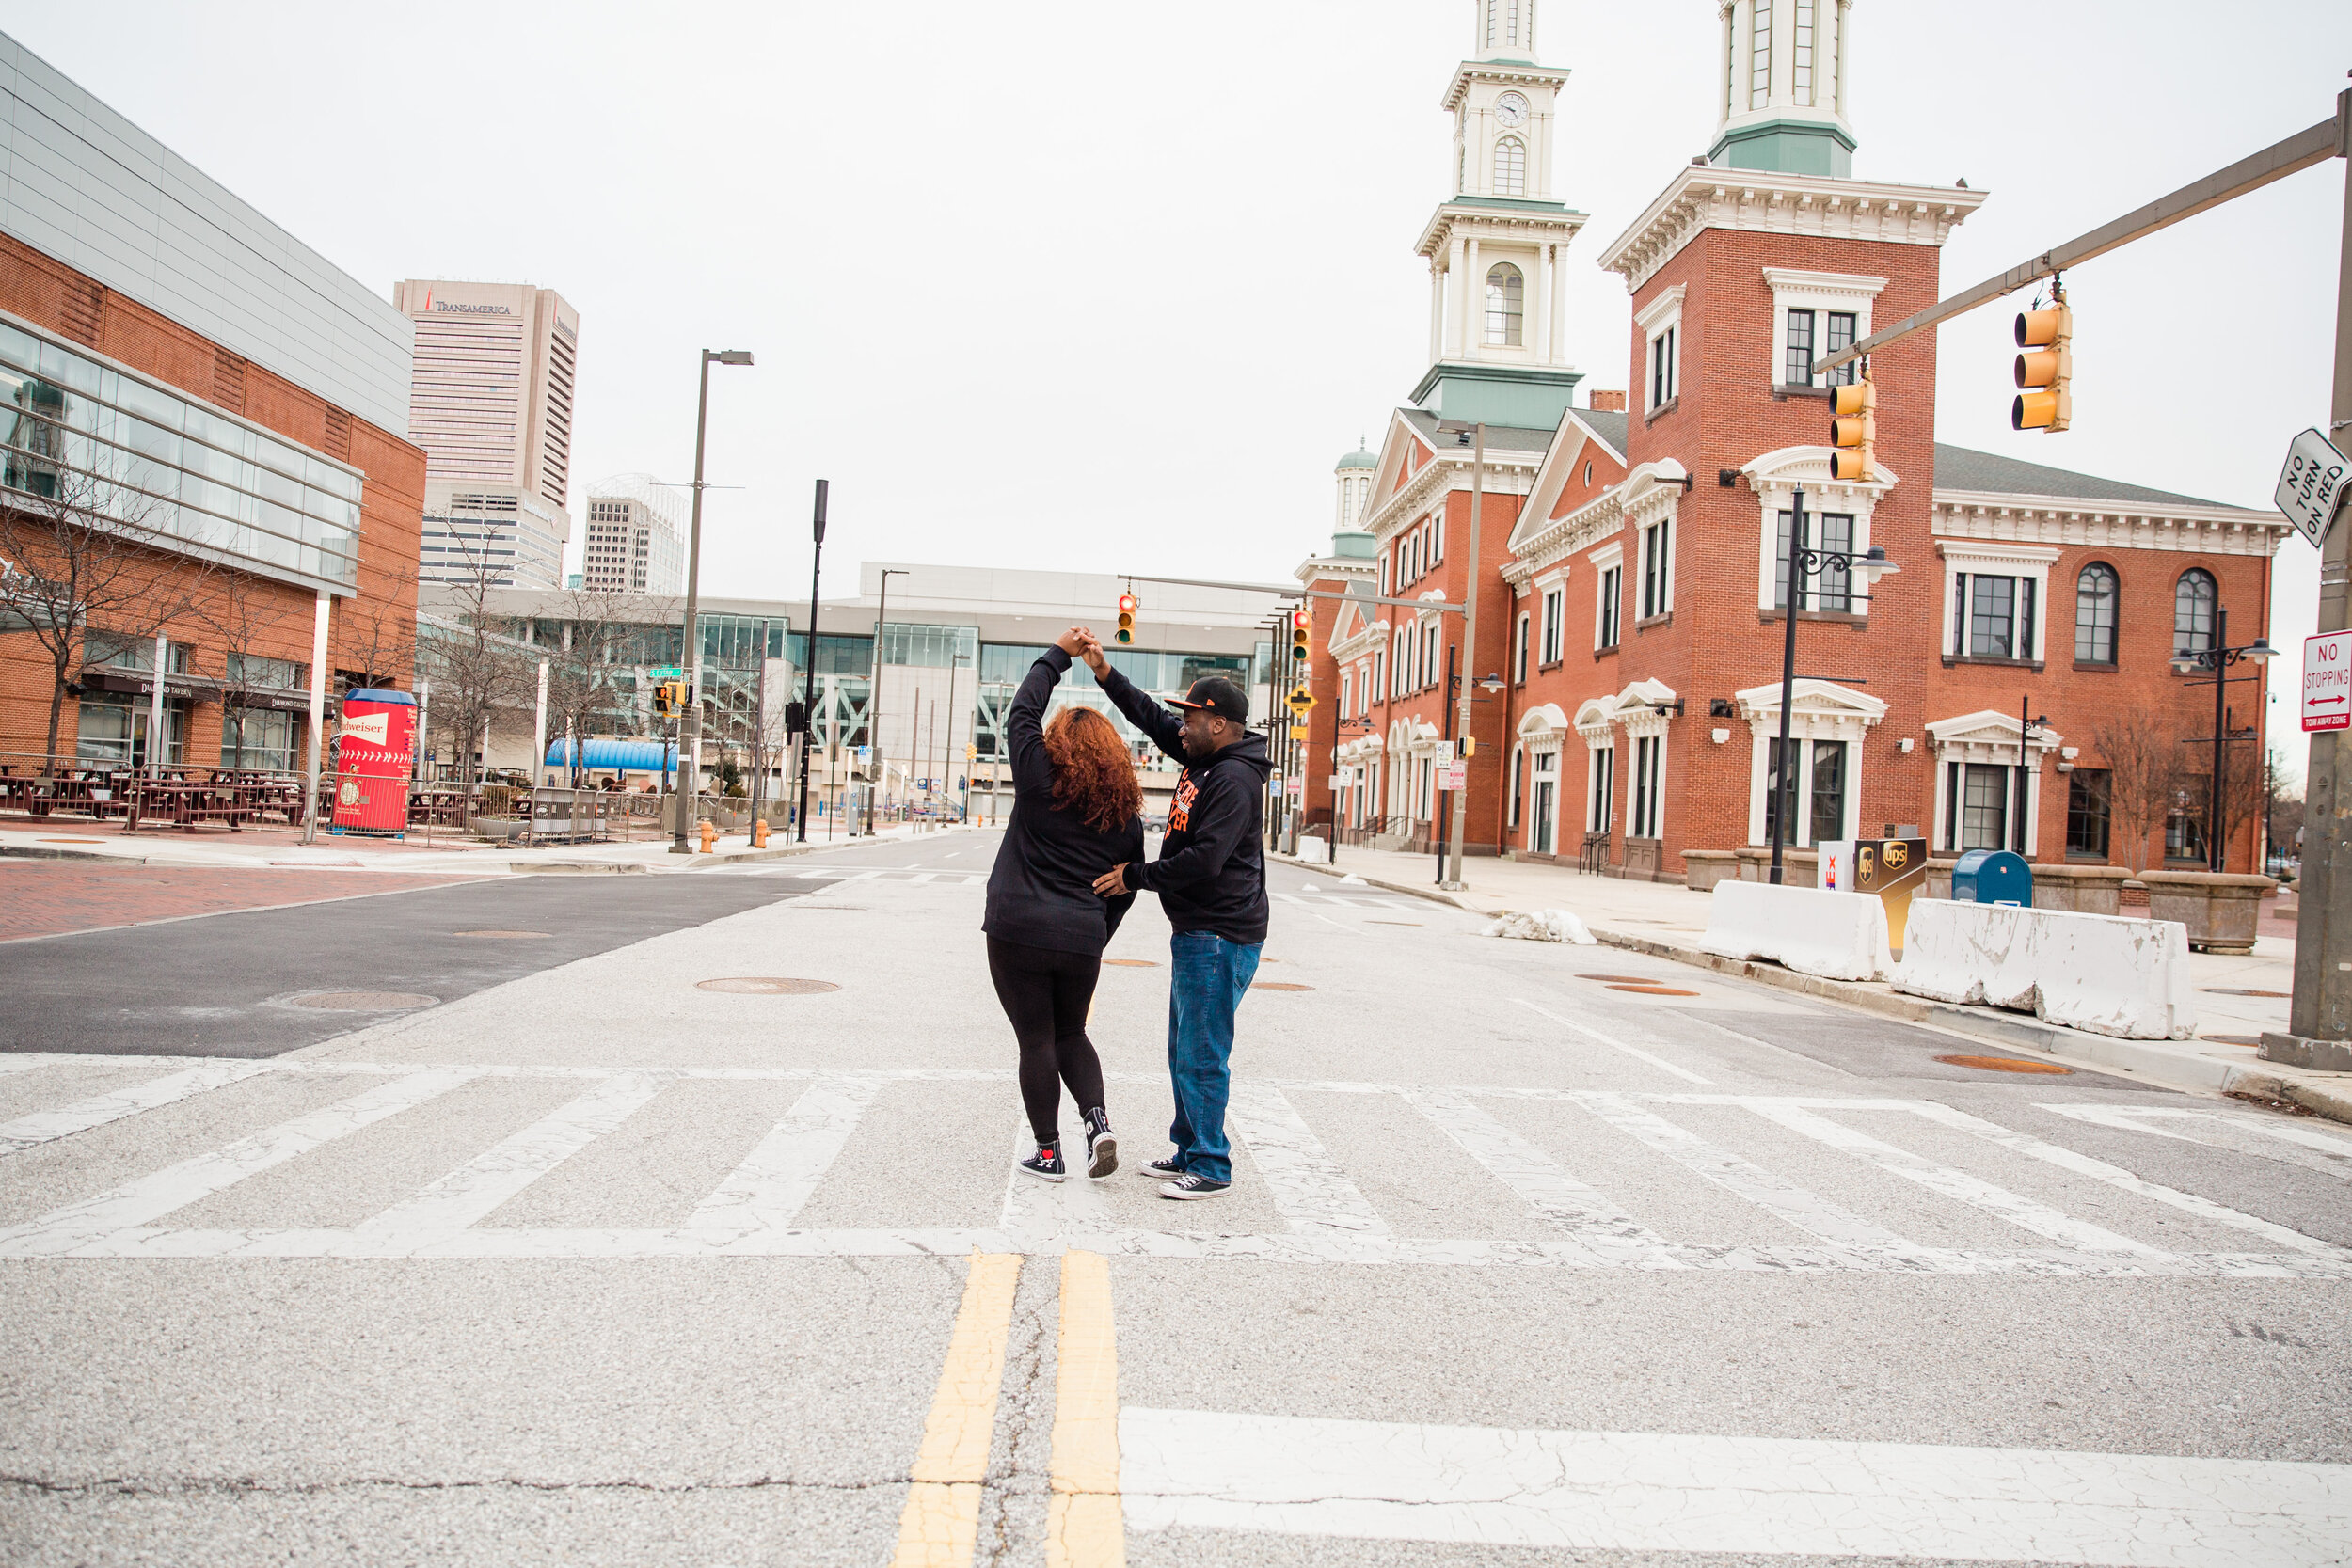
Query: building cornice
x,y
1507,474
1704,196
1500,220
1520,73
2062,522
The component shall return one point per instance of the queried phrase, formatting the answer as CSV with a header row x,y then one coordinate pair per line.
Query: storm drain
x,y
363,1000
765,985
2005,1064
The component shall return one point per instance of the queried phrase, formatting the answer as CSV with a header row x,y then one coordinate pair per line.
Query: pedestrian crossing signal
x,y
1126,618
1853,430
1302,635
669,699
2046,370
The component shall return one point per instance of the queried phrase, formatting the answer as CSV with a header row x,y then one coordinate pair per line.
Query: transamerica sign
x,y
2327,681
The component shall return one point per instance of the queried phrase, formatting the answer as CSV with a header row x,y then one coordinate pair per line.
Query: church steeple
x,y
1507,32
1781,88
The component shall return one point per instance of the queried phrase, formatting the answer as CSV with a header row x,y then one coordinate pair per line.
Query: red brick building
x,y
222,405
2010,685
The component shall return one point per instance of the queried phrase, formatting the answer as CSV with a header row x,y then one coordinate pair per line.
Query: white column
x,y
1543,303
1473,301
157,750
318,719
1453,315
1437,311
1559,307
539,727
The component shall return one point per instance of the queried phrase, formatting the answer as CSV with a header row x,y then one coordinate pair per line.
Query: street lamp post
x,y
808,702
873,698
2219,659
1806,563
690,735
2026,726
955,663
1470,653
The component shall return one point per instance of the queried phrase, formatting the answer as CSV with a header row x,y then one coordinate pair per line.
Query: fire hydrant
x,y
760,832
711,834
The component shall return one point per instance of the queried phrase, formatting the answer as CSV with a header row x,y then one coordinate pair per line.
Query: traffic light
x,y
2046,370
1302,635
1853,430
796,718
666,699
1126,618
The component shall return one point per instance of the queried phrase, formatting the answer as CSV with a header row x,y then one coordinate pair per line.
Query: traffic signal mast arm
x,y
2329,138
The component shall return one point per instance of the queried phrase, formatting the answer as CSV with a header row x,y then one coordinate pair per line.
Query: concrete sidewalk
x,y
69,838
1666,919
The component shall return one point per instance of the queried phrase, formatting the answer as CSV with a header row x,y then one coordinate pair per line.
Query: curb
x,y
35,853
2137,1058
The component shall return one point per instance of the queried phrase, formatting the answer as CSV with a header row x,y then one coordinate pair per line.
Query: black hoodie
x,y
1040,893
1211,873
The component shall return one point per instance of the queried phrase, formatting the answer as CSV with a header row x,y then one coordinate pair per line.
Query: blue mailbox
x,y
1992,876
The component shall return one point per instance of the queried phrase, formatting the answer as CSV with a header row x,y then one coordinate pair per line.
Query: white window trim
x,y
1654,320
1538,774
1609,558
1551,647
1523,650
1666,586
1979,737
1796,289
2005,561
1774,478
1822,711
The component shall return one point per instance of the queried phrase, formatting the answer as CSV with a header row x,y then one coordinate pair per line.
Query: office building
x,y
633,543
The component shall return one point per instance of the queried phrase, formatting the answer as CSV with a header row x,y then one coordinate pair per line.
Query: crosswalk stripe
x,y
769,1188
2039,1218
1592,1222
1660,1062
1307,1184
43,1126
1807,1211
176,1186
2135,1119
476,1189
1657,1494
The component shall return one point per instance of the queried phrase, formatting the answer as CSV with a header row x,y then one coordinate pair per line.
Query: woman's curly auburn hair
x,y
1093,775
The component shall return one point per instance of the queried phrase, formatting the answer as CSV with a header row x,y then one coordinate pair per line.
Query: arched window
x,y
1507,307
1510,167
2094,615
2192,611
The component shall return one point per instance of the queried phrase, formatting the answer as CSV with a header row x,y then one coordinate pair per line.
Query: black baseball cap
x,y
1219,696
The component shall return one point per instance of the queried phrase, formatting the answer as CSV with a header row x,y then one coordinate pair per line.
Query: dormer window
x,y
1507,307
1510,167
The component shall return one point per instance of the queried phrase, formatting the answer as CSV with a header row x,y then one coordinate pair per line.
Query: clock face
x,y
1511,109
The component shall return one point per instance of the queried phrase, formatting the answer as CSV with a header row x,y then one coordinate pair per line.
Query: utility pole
x,y
689,730
759,725
808,708
1470,653
2320,1018
874,700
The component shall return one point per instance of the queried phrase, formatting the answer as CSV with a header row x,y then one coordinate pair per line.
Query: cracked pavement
x,y
1467,1239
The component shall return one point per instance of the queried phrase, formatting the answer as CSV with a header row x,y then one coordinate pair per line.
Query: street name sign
x,y
2327,682
2311,485
667,672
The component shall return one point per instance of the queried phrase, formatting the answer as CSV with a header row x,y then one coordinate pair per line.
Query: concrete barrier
x,y
2098,973
1837,936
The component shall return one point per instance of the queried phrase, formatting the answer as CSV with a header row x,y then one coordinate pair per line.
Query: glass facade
x,y
82,434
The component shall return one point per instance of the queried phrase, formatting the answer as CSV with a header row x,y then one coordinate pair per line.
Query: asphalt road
x,y
601,1264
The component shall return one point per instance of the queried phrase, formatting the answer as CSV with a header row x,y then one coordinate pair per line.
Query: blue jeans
x,y
1208,977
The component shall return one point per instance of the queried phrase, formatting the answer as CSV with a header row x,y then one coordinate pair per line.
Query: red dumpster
x,y
374,758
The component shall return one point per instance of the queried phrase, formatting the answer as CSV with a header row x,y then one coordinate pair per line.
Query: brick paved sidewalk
x,y
51,897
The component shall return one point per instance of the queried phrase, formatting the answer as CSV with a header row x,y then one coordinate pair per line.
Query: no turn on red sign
x,y
2327,682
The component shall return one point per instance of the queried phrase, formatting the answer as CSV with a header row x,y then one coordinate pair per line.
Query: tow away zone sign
x,y
2327,682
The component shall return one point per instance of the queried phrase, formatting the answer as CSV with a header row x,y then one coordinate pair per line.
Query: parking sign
x,y
2327,682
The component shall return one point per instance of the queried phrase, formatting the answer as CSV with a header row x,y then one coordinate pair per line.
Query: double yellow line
x,y
940,1524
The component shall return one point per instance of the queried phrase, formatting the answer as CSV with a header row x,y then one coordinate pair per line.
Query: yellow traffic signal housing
x,y
1853,431
1302,635
1126,618
2046,370
665,703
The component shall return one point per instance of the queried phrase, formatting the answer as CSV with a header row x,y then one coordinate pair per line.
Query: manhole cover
x,y
767,986
2234,990
363,1000
1620,979
72,841
2233,1039
2005,1064
1133,963
1277,984
517,935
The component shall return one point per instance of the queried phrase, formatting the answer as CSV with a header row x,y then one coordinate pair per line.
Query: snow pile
x,y
1351,879
1542,925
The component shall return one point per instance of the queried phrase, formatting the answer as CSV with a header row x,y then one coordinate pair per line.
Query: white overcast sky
x,y
1110,286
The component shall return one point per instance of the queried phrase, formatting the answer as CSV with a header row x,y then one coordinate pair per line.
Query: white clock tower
x,y
1496,249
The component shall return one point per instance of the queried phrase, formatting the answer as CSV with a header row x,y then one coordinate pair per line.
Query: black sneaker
x,y
1193,1184
1045,1164
1161,1170
1101,1146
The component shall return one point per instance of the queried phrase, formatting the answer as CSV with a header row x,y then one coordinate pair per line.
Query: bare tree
x,y
585,675
2141,754
79,554
479,665
374,636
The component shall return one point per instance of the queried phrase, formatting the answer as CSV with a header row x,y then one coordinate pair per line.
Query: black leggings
x,y
1047,994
